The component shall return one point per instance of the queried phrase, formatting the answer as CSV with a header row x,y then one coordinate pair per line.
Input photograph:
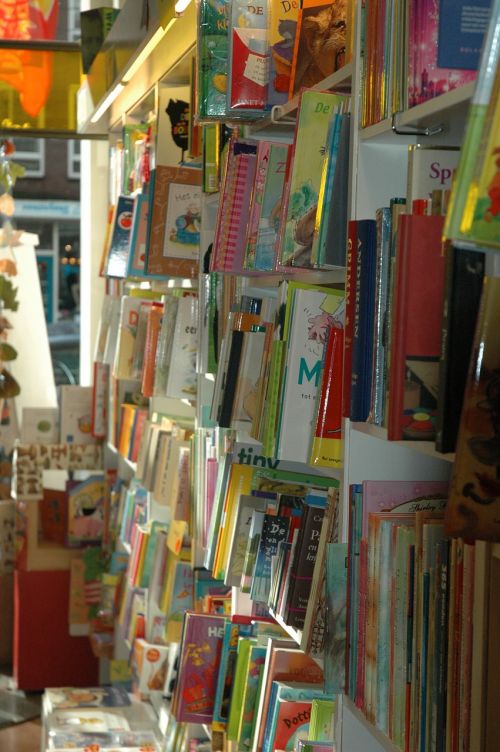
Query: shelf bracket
x,y
414,131
278,118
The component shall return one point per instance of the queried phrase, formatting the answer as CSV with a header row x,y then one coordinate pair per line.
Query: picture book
x,y
284,698
119,242
333,228
316,108
87,721
198,667
40,425
426,79
174,232
320,43
181,382
336,624
85,515
245,505
253,543
325,188
90,697
233,630
429,168
251,690
322,722
275,528
213,23
311,310
239,681
282,30
127,332
262,168
76,410
268,225
248,57
181,599
138,236
472,511
53,511
416,331
249,371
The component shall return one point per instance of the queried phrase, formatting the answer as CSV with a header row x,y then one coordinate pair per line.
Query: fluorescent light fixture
x,y
113,94
143,54
181,5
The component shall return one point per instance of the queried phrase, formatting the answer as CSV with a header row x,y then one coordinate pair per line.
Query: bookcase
x,y
378,159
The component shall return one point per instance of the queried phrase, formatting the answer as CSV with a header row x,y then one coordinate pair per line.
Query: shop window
x,y
30,153
74,159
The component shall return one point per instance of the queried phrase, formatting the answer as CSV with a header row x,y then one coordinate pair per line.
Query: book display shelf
x,y
302,533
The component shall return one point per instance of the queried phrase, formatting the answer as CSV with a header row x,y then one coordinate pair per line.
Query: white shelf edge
x,y
424,447
432,108
295,634
376,733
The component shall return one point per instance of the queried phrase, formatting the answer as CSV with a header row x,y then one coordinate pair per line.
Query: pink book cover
x,y
402,496
198,667
223,215
236,239
425,79
263,150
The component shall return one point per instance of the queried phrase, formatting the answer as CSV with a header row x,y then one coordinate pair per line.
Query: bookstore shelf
x,y
425,447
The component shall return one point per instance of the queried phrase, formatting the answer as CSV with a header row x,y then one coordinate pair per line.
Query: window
x,y
30,153
73,20
74,159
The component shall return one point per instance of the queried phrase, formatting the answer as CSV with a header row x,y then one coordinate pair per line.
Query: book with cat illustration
x,y
300,202
320,43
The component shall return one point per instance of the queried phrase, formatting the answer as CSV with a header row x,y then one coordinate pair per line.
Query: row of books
x,y
411,598
252,59
282,204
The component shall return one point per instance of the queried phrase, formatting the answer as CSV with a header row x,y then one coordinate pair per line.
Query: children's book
x,y
248,57
119,243
76,412
322,723
245,505
268,224
174,232
310,312
282,29
430,168
320,43
90,697
275,528
198,667
336,624
181,382
213,25
316,109
461,31
326,446
138,237
85,516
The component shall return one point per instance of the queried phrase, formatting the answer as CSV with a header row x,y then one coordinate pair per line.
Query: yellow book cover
x,y
240,481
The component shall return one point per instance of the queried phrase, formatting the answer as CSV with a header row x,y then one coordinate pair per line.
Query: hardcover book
x,y
119,243
282,30
213,20
272,193
430,168
198,667
181,381
326,448
462,28
138,237
249,57
174,232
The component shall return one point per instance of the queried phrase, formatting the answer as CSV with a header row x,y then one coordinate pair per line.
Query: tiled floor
x,y
25,737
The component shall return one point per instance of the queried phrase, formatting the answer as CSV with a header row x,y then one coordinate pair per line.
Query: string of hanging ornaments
x,y
10,171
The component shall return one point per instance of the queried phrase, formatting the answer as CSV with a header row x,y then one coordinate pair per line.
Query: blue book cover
x,y
336,623
119,246
362,341
384,624
462,26
274,529
384,229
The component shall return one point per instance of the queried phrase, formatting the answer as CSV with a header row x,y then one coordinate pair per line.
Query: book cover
x,y
312,311
333,231
336,623
233,630
138,237
85,515
474,501
316,108
325,188
249,57
426,79
263,150
198,667
462,28
174,232
40,425
320,41
350,314
119,243
322,721
382,284
275,528
430,168
365,235
272,194
245,505
302,566
88,697
127,332
181,382
463,285
292,724
326,447
238,690
416,331
153,326
282,29
76,411
213,20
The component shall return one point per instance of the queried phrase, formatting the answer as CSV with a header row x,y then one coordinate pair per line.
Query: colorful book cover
x,y
213,23
129,319
320,42
298,216
248,375
272,196
251,692
462,28
416,332
249,57
89,697
119,244
474,502
282,29
246,504
350,315
275,528
198,667
382,264
181,600
181,381
85,520
326,447
238,690
333,230
263,154
425,78
325,188
430,168
336,623
312,311
302,566
174,231
322,722
288,701
233,630
252,549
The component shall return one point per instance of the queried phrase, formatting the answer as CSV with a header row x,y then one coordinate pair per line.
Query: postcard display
x,y
302,533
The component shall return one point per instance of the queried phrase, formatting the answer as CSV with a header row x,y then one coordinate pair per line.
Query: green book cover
x,y
239,685
322,723
272,398
251,695
316,109
213,49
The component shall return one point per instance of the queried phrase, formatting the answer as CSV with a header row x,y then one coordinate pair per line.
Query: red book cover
x,y
326,450
248,74
416,333
141,416
292,723
350,284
